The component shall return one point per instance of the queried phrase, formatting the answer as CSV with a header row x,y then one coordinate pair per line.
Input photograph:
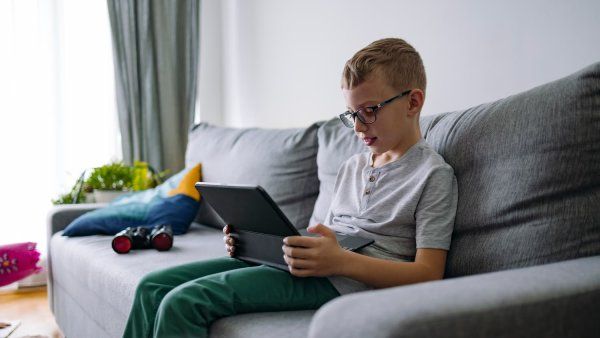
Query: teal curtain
x,y
155,44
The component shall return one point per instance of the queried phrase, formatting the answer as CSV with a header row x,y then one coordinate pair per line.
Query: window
x,y
57,106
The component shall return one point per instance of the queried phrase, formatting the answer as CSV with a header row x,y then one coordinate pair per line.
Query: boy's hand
x,y
314,256
229,241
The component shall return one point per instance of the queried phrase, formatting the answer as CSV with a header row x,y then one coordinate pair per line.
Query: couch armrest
x,y
554,300
61,215
58,218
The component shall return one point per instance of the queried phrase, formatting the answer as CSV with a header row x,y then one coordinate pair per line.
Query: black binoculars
x,y
160,238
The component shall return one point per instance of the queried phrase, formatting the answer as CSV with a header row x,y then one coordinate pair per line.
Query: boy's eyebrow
x,y
364,104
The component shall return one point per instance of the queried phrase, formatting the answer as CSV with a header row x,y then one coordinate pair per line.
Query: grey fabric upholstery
x,y
58,218
288,324
62,215
553,300
280,160
93,287
528,171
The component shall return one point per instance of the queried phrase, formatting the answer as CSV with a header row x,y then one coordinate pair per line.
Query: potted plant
x,y
110,181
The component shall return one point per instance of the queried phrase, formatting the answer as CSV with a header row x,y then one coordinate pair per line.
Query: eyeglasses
x,y
367,115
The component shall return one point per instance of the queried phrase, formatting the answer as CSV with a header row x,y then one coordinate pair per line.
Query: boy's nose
x,y
359,126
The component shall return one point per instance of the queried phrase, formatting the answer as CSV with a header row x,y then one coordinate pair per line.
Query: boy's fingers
x,y
300,241
321,230
226,229
228,240
296,252
297,263
299,272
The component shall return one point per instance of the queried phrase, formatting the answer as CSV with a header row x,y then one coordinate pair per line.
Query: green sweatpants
x,y
183,301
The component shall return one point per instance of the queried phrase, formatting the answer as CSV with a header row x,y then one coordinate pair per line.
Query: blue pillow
x,y
169,203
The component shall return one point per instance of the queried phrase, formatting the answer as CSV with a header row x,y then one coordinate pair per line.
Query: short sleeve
x,y
436,210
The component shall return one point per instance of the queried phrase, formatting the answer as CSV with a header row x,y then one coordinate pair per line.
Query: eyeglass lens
x,y
365,115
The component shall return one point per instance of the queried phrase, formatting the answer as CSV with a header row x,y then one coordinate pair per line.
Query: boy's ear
x,y
416,99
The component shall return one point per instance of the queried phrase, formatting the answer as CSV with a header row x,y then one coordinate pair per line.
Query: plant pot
x,y
106,196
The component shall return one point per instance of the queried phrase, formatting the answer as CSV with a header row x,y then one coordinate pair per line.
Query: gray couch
x,y
524,259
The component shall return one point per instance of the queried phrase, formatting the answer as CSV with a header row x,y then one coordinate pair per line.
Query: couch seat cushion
x,y
93,283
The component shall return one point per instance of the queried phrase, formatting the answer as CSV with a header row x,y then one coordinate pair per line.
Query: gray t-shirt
x,y
403,205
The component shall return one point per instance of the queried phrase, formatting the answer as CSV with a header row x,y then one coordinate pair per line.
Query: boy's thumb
x,y
321,230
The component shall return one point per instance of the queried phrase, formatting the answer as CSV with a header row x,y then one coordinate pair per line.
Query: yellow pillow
x,y
186,186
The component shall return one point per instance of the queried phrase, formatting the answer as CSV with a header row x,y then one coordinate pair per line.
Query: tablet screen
x,y
247,208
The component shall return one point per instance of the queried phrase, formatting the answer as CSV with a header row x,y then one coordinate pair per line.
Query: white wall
x,y
277,63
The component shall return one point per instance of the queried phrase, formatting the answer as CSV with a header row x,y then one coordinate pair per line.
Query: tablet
x,y
247,207
259,226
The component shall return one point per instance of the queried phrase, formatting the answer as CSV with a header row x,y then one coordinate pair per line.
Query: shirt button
x,y
372,179
367,192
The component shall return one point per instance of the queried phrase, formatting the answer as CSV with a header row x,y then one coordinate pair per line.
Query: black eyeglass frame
x,y
355,114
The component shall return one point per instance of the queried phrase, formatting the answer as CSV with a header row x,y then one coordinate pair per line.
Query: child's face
x,y
394,129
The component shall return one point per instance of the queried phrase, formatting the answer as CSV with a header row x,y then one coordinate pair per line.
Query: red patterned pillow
x,y
17,261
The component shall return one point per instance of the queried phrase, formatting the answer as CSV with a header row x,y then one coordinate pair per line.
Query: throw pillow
x,y
177,207
18,261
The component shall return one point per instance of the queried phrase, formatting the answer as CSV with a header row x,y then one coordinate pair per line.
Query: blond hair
x,y
394,59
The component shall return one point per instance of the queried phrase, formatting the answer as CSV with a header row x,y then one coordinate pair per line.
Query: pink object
x,y
18,261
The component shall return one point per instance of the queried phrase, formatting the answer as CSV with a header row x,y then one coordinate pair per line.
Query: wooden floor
x,y
31,308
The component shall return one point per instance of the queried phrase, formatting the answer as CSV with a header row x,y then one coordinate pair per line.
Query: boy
x,y
401,194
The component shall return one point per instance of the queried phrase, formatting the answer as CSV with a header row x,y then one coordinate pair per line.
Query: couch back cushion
x,y
283,161
528,172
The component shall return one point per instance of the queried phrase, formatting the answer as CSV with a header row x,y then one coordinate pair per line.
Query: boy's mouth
x,y
369,140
